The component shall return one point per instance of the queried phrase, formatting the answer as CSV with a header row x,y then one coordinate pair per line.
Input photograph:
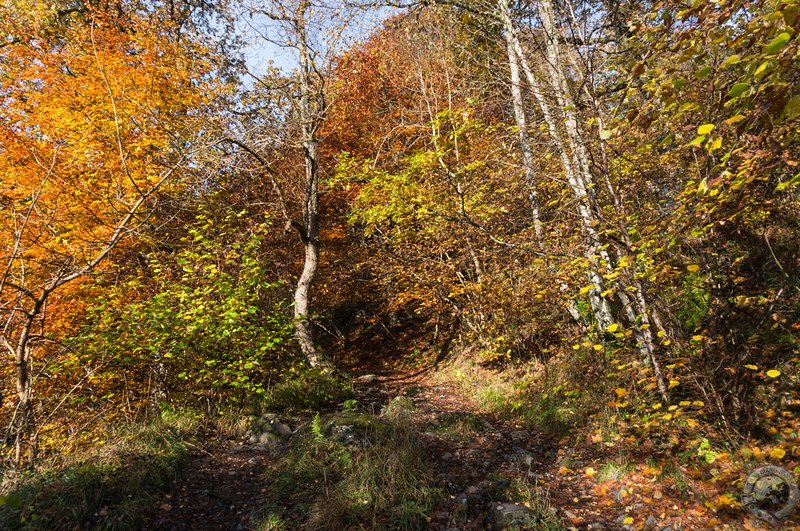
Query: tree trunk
x,y
23,421
312,105
562,126
520,117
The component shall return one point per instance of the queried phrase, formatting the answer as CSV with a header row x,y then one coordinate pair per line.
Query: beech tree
x,y
96,121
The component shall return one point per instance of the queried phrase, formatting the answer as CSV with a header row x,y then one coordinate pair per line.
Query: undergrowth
x,y
113,487
545,397
351,473
308,391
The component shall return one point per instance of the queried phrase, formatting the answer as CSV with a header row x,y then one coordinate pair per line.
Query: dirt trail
x,y
475,457
220,487
218,490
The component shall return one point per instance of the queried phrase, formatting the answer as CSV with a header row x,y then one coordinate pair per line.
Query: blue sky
x,y
262,52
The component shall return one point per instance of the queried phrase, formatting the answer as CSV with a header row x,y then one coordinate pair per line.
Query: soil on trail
x,y
218,490
474,455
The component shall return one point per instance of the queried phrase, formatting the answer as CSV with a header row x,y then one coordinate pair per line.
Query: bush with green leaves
x,y
206,322
308,389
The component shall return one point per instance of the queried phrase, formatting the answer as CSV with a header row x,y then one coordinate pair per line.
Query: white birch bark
x,y
312,103
520,116
570,146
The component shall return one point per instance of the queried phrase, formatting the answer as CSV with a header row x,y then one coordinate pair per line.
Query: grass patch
x,y
400,408
114,487
541,393
459,425
377,480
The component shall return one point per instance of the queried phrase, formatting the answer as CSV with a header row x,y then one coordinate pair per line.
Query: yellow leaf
x,y
777,453
673,383
734,119
613,328
751,367
628,520
705,129
694,268
691,423
773,373
589,471
697,338
598,347
660,333
621,392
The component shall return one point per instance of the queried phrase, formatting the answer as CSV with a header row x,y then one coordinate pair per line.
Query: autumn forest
x,y
582,214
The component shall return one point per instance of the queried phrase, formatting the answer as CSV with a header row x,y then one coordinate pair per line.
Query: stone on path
x,y
269,431
509,515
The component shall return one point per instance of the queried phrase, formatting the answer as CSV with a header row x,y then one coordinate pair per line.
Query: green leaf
x,y
13,501
698,140
777,43
794,181
732,60
792,108
703,72
738,89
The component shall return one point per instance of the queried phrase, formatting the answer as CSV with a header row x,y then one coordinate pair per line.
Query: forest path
x,y
218,490
476,457
485,464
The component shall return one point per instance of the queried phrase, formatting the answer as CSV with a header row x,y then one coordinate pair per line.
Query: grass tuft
x,y
377,481
112,488
537,500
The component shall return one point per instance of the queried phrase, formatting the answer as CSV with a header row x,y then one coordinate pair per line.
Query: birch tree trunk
x,y
312,104
582,182
569,145
520,116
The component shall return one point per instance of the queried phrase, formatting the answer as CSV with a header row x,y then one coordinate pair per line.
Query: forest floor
x,y
476,458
